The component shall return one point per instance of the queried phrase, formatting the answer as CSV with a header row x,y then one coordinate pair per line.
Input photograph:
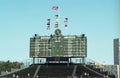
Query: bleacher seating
x,y
58,70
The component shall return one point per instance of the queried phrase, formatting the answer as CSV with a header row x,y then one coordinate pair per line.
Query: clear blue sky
x,y
20,19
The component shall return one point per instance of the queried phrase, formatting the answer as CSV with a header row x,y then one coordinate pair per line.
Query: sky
x,y
21,19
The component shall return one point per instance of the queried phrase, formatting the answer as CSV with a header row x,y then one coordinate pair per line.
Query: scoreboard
x,y
58,45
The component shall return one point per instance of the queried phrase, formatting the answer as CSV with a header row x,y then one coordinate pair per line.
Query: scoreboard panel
x,y
58,45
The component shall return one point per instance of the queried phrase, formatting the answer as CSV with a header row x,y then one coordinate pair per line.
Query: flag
x,y
66,19
48,24
57,16
57,20
56,25
48,21
48,28
66,25
66,22
55,8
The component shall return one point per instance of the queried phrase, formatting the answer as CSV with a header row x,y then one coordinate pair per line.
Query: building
x,y
111,69
116,46
116,51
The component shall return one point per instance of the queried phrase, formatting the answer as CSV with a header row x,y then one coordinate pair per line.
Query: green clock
x,y
57,32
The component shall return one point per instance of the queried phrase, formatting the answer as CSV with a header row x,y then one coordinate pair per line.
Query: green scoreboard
x,y
58,45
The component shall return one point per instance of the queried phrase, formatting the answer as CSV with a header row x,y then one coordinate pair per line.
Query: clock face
x,y
58,32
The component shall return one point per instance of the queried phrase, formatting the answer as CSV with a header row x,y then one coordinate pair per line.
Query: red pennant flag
x,y
48,28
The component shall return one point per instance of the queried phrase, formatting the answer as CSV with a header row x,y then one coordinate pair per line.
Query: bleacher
x,y
57,70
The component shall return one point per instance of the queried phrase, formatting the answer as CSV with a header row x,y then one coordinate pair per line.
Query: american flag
x,y
55,8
